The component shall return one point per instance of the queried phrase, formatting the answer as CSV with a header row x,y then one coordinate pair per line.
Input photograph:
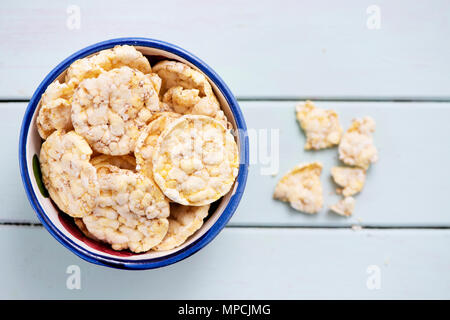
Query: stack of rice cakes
x,y
135,154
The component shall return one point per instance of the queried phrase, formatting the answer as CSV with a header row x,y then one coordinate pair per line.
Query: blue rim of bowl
x,y
153,262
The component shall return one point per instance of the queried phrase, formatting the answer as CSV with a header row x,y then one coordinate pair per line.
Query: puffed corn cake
x,y
115,154
351,179
301,187
321,126
146,143
130,211
106,60
187,91
184,221
127,191
196,160
82,227
356,147
55,108
109,111
344,207
67,174
126,231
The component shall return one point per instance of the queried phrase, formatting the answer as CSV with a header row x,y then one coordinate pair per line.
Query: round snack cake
x,y
132,192
55,111
146,142
130,212
108,111
67,174
187,91
106,60
183,222
195,161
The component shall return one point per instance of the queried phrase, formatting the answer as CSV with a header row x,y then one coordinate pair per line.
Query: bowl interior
x,y
66,225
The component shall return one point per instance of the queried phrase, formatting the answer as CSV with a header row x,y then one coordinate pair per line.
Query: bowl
x,y
63,228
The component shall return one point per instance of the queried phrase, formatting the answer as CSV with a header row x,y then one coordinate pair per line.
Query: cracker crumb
x,y
321,126
344,207
301,187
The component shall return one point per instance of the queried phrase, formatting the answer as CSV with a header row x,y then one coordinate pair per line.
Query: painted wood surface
x,y
272,50
261,49
244,264
408,186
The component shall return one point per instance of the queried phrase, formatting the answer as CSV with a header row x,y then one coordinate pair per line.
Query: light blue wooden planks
x,y
264,49
14,204
244,264
408,186
269,50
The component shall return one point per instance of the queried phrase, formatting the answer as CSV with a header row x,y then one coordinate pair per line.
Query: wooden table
x,y
271,54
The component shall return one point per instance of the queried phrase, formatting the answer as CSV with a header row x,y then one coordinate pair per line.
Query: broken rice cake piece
x,y
184,221
301,187
321,126
344,207
350,179
356,147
